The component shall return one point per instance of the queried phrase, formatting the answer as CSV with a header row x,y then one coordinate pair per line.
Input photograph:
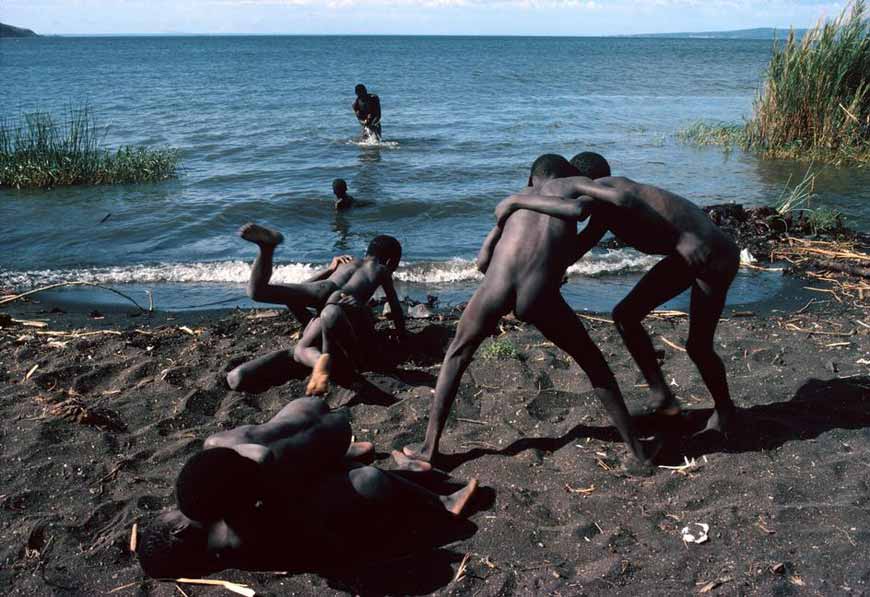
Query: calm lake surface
x,y
264,124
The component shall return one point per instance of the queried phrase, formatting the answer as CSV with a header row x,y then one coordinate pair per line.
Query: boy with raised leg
x,y
344,324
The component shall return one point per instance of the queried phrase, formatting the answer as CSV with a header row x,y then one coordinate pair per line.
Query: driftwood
x,y
846,268
62,284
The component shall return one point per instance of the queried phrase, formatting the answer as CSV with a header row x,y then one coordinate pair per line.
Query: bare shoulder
x,y
619,182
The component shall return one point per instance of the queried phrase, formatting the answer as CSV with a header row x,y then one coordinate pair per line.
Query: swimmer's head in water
x,y
173,546
387,250
217,482
549,166
360,90
591,164
339,187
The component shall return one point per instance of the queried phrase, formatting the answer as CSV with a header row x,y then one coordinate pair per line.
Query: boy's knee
x,y
623,316
330,314
297,352
700,351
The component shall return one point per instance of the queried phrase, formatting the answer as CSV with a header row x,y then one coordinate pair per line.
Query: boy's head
x,y
591,165
173,546
548,167
387,250
360,90
339,187
217,482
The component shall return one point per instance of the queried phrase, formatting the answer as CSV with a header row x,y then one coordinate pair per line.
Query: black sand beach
x,y
99,415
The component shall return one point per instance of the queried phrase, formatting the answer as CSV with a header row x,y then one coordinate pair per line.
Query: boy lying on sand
x,y
254,487
696,252
340,294
524,260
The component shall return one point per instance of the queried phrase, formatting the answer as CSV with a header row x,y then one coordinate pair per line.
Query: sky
x,y
409,17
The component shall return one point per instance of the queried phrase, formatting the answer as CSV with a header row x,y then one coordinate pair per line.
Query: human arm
x,y
333,265
569,209
375,114
396,313
589,237
487,249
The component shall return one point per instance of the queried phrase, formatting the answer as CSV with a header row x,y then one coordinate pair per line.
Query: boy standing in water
x,y
697,255
341,294
367,108
524,260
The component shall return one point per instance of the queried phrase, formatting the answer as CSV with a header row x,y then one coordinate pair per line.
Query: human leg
x,y
387,489
704,313
490,302
559,324
265,371
297,297
667,279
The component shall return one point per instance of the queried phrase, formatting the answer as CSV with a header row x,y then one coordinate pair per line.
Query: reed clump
x,y
815,101
714,133
39,152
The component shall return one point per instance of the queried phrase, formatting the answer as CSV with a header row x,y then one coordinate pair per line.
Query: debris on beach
x,y
695,532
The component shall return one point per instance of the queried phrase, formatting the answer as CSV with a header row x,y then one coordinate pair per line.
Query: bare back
x,y
531,256
657,231
359,278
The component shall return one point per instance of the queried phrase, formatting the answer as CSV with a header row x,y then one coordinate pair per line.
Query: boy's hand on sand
x,y
503,210
693,250
339,260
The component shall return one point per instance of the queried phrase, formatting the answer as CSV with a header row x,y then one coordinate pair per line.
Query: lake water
x,y
264,124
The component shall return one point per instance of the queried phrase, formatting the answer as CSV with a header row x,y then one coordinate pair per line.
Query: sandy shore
x,y
99,415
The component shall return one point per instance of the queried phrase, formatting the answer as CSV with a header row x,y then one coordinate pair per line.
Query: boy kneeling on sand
x,y
287,491
344,323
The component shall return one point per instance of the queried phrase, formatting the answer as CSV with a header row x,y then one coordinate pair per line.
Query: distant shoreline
x,y
10,31
744,35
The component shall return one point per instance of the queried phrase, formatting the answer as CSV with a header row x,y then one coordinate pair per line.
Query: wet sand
x,y
97,422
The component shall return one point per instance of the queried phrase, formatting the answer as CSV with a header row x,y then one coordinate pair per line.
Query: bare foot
x,y
719,424
416,452
410,464
359,450
319,383
455,503
262,236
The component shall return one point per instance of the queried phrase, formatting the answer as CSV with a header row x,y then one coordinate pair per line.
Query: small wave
x,y
372,142
612,262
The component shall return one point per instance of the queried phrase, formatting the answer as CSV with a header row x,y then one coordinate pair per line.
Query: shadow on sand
x,y
817,407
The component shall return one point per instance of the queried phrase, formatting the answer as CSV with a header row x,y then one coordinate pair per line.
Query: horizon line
x,y
277,34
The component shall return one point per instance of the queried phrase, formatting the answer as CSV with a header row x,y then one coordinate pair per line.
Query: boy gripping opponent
x,y
697,255
524,260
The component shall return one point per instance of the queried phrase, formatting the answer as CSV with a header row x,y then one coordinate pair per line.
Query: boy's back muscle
x,y
359,278
533,248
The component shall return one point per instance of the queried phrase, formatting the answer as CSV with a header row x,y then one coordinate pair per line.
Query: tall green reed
x,y
39,152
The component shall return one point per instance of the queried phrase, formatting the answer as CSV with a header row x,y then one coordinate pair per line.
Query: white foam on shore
x,y
455,270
